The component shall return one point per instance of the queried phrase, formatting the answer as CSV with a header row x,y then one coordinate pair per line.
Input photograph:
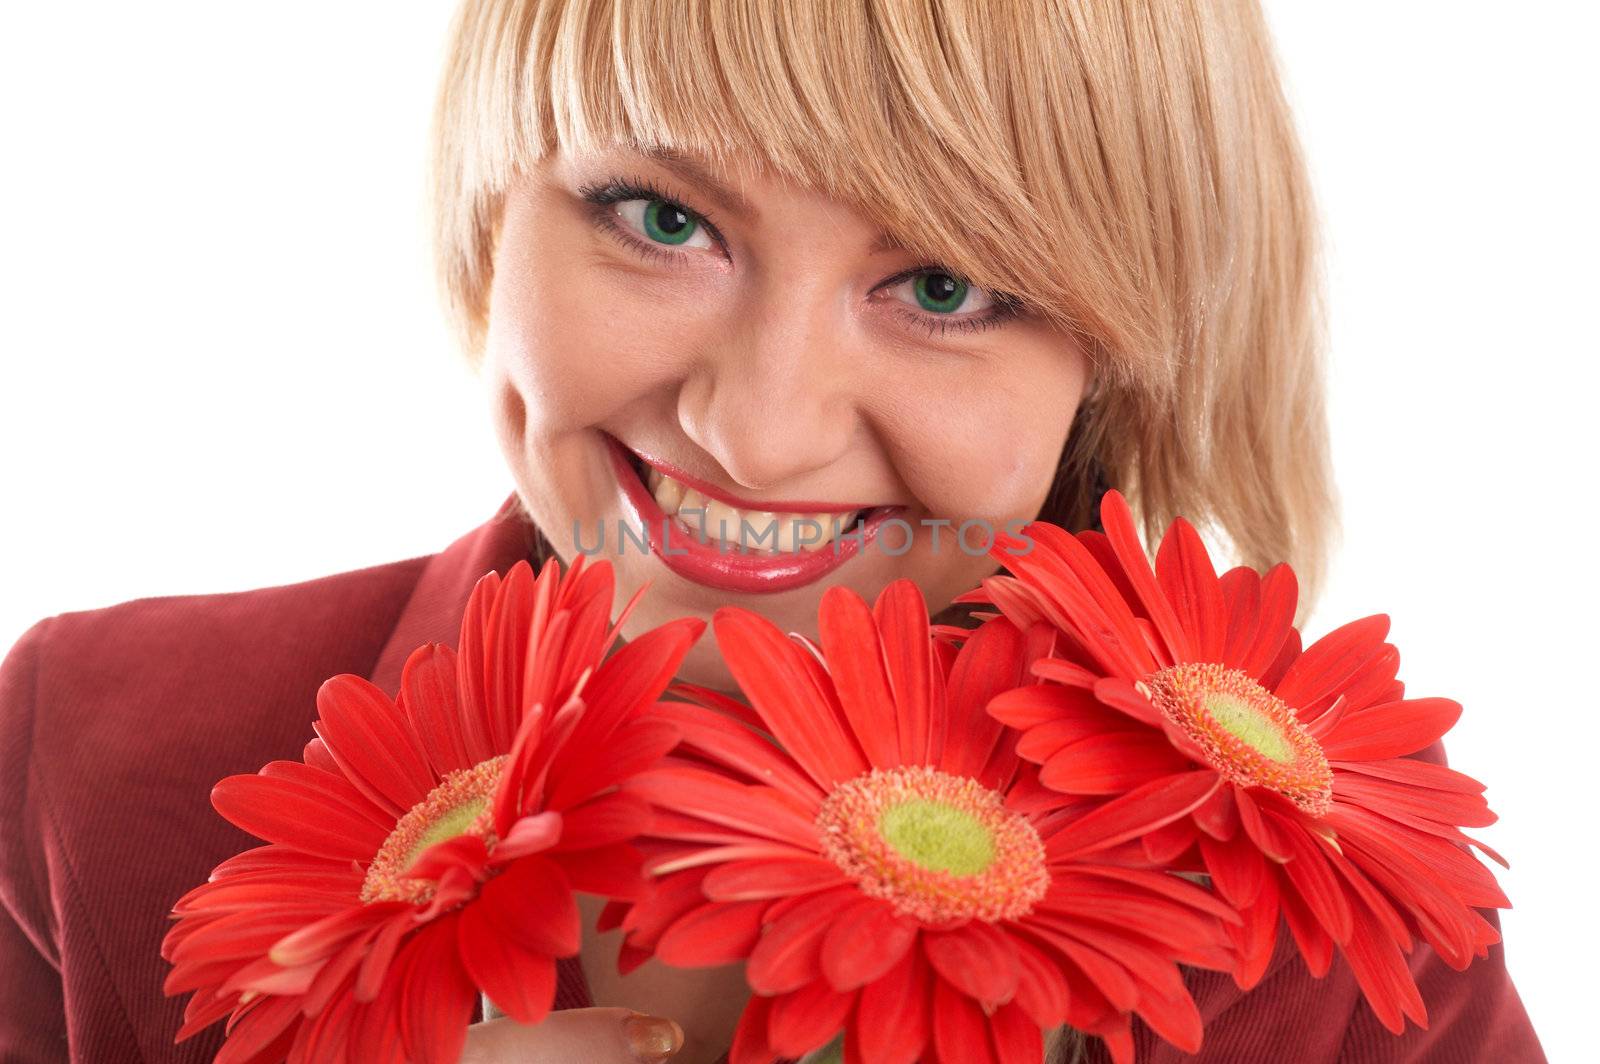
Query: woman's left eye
x,y
941,293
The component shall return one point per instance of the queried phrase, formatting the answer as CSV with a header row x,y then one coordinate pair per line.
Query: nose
x,y
775,397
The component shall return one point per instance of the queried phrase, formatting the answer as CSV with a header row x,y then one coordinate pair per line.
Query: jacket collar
x,y
433,612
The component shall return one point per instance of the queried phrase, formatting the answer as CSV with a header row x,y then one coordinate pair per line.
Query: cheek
x,y
992,452
575,341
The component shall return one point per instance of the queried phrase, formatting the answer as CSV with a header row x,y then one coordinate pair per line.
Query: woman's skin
x,y
759,350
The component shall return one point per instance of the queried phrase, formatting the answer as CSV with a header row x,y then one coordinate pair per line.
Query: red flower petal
x,y
520,980
891,1022
960,1029
866,941
1385,980
760,811
610,818
372,743
320,938
663,903
583,770
1325,666
1236,866
1106,974
1043,704
789,954
331,787
261,1031
902,618
713,934
532,902
1264,835
1117,519
1315,882
428,685
750,1036
806,1019
1255,937
1280,593
609,871
978,959
990,661
1142,809
1173,1017
622,687
772,878
1315,944
733,744
1218,816
850,642
438,998
1111,763
297,814
1166,844
1071,589
1015,1036
534,834
1394,800
779,687
1041,989
1183,569
1390,730
1415,773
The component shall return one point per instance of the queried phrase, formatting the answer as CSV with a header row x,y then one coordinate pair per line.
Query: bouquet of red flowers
x,y
925,843
427,849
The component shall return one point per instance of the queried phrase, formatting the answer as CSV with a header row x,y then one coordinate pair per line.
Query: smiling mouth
x,y
707,537
751,530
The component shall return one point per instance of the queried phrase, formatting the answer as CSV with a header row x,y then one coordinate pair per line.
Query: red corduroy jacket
x,y
115,723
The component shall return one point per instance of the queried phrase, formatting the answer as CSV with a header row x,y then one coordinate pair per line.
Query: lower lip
x,y
682,551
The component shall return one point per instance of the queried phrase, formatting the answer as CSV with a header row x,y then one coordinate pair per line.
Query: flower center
x,y
938,847
461,804
1249,735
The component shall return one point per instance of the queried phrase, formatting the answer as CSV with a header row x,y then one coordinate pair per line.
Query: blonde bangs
x,y
1128,171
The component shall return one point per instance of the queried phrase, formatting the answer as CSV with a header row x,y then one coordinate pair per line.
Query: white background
x,y
222,364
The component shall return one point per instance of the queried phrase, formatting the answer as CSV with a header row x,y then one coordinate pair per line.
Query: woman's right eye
x,y
664,222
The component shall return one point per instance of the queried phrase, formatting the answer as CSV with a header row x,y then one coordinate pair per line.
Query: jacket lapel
x,y
433,612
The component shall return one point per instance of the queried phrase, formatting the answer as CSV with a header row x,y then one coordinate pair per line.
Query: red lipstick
x,y
724,566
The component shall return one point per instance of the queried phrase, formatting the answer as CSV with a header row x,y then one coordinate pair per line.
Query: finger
x,y
576,1036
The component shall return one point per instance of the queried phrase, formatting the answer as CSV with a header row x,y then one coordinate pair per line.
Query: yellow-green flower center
x,y
938,847
461,804
1246,723
938,836
1248,734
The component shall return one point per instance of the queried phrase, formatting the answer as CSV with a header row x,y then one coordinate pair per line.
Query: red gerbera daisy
x,y
427,848
1317,812
878,864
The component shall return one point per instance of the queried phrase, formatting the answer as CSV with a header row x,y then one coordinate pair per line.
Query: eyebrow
x,y
693,170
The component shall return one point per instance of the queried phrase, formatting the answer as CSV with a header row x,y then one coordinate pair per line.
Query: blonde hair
x,y
1128,170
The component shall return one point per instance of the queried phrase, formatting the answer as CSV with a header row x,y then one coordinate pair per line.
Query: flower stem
x,y
491,1011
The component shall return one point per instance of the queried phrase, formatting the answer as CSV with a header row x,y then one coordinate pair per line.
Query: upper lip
x,y
711,491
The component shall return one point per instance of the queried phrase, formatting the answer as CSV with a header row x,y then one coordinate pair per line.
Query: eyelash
x,y
617,190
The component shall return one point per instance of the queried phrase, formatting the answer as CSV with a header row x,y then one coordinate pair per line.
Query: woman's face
x,y
701,375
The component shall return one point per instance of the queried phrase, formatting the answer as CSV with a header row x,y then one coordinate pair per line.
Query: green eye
x,y
668,223
939,292
662,221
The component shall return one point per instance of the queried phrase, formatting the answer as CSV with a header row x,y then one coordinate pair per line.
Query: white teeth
x,y
721,521
756,530
691,509
668,492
